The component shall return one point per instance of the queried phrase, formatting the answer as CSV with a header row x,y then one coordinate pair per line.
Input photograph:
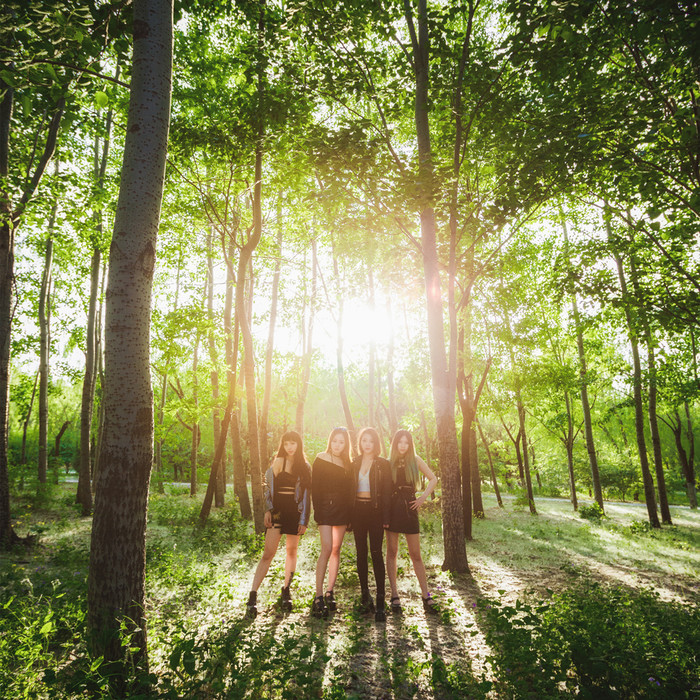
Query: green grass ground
x,y
553,606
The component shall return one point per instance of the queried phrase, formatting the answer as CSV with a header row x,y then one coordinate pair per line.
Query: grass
x,y
554,606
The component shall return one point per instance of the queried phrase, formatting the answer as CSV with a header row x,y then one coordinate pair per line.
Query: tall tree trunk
x,y
85,484
264,442
466,476
309,347
652,394
391,390
568,441
372,405
194,445
240,488
647,480
45,347
25,425
340,370
443,384
84,495
494,482
686,467
583,374
220,486
10,219
116,578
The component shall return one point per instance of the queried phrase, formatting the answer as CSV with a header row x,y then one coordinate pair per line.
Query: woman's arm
x,y
427,472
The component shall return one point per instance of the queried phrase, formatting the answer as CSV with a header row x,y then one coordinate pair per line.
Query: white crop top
x,y
363,482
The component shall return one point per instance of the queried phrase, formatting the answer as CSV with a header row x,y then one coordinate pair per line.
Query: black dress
x,y
285,513
331,492
403,518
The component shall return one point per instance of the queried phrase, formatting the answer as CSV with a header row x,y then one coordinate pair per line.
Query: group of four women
x,y
369,495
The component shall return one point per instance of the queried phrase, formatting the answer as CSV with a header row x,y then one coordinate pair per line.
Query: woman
x,y
332,495
406,470
286,492
370,515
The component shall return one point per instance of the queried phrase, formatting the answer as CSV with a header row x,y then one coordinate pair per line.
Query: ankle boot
x,y
251,605
286,599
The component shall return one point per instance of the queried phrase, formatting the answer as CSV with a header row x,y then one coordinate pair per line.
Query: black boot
x,y
286,599
366,602
251,610
330,601
380,615
318,608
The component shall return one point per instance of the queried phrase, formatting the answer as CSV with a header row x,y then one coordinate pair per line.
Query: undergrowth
x,y
586,641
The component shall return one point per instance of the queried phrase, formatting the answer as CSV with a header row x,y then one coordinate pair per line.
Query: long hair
x,y
346,454
375,439
412,473
300,466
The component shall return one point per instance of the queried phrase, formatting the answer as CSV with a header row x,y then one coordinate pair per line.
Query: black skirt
x,y
285,513
403,518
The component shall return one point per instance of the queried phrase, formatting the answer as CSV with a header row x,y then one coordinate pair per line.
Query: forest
x,y
475,220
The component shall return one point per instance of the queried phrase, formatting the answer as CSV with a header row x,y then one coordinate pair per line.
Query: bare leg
x,y
290,563
334,562
413,542
392,551
272,540
326,546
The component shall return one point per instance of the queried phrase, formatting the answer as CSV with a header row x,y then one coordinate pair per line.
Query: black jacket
x,y
380,485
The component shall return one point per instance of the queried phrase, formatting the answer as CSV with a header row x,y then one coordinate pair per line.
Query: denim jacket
x,y
301,496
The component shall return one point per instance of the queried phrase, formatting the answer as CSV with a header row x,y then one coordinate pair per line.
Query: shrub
x,y
591,512
595,642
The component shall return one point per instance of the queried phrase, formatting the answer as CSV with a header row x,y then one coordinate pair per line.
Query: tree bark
x,y
240,487
84,495
583,374
340,370
25,425
647,480
10,218
264,442
444,390
494,482
44,350
116,578
308,334
686,468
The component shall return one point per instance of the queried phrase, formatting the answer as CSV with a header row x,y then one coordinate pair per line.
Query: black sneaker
x,y
395,605
330,601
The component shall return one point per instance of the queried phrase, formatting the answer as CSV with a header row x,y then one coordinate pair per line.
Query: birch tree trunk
x,y
116,579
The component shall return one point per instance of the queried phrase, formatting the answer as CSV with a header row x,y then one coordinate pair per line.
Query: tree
x,y
117,552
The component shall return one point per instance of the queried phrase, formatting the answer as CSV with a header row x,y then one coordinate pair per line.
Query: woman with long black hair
x,y
332,495
370,515
286,493
406,470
